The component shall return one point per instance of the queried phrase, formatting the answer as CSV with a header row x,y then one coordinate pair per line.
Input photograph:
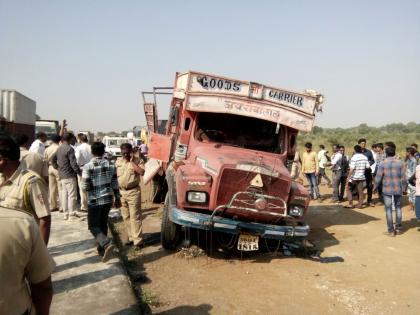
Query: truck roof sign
x,y
209,93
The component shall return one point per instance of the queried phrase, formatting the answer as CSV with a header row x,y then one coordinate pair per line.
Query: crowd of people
x,y
73,177
68,176
379,171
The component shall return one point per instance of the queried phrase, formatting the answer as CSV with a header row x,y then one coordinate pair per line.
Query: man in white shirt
x,y
83,156
322,160
38,146
359,163
336,171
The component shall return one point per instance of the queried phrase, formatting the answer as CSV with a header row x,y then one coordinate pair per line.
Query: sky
x,y
88,61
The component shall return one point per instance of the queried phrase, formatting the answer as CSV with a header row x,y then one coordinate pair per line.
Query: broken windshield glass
x,y
247,132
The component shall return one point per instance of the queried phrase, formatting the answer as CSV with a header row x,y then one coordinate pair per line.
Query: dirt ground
x,y
377,274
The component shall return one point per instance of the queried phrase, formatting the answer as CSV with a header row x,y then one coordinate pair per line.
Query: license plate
x,y
247,242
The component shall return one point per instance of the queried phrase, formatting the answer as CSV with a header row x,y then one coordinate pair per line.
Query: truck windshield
x,y
242,131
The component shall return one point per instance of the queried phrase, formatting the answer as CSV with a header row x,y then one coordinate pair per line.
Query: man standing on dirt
x,y
358,165
368,173
322,161
391,175
410,166
344,172
310,168
336,171
99,180
129,169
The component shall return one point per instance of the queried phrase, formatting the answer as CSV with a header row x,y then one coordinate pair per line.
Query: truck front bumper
x,y
226,225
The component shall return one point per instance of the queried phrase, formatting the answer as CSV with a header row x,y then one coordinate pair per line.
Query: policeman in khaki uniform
x,y
24,264
21,188
129,169
53,179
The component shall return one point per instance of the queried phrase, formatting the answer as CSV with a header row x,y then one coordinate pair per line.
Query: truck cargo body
x,y
17,113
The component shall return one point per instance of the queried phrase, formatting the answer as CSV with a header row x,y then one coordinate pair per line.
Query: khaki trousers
x,y
54,188
131,213
83,195
69,195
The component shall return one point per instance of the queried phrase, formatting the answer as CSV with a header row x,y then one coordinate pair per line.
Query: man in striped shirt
x,y
391,175
356,178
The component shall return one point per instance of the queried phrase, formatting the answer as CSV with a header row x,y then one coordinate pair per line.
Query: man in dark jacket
x,y
65,161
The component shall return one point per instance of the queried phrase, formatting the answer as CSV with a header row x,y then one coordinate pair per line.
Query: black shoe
x,y
108,253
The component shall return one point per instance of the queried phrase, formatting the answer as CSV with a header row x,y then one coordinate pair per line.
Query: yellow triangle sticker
x,y
257,181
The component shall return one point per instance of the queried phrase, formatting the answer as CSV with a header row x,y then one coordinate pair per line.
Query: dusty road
x,y
379,274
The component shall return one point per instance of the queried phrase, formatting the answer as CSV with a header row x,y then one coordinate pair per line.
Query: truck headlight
x,y
197,197
296,211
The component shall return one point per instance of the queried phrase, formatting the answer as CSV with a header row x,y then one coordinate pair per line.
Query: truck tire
x,y
170,232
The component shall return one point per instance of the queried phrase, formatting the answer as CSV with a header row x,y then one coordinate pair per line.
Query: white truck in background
x,y
112,146
17,113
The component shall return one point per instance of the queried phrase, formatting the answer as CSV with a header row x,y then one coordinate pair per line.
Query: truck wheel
x,y
170,232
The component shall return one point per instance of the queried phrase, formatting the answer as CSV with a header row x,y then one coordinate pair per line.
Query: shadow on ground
x,y
203,309
69,248
77,263
84,279
320,217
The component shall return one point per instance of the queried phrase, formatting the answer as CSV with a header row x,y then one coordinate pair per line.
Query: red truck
x,y
225,153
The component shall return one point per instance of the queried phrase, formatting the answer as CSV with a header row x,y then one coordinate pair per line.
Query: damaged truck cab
x,y
225,155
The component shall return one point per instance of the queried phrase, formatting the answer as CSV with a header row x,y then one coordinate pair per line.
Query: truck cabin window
x,y
240,131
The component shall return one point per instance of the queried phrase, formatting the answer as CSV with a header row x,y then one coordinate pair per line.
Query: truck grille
x,y
233,181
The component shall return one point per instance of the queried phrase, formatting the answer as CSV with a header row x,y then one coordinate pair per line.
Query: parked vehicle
x,y
224,152
112,145
17,113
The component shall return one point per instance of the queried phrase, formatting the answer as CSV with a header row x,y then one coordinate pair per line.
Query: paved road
x,y
82,283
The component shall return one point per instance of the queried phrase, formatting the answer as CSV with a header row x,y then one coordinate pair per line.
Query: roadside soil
x,y
370,273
